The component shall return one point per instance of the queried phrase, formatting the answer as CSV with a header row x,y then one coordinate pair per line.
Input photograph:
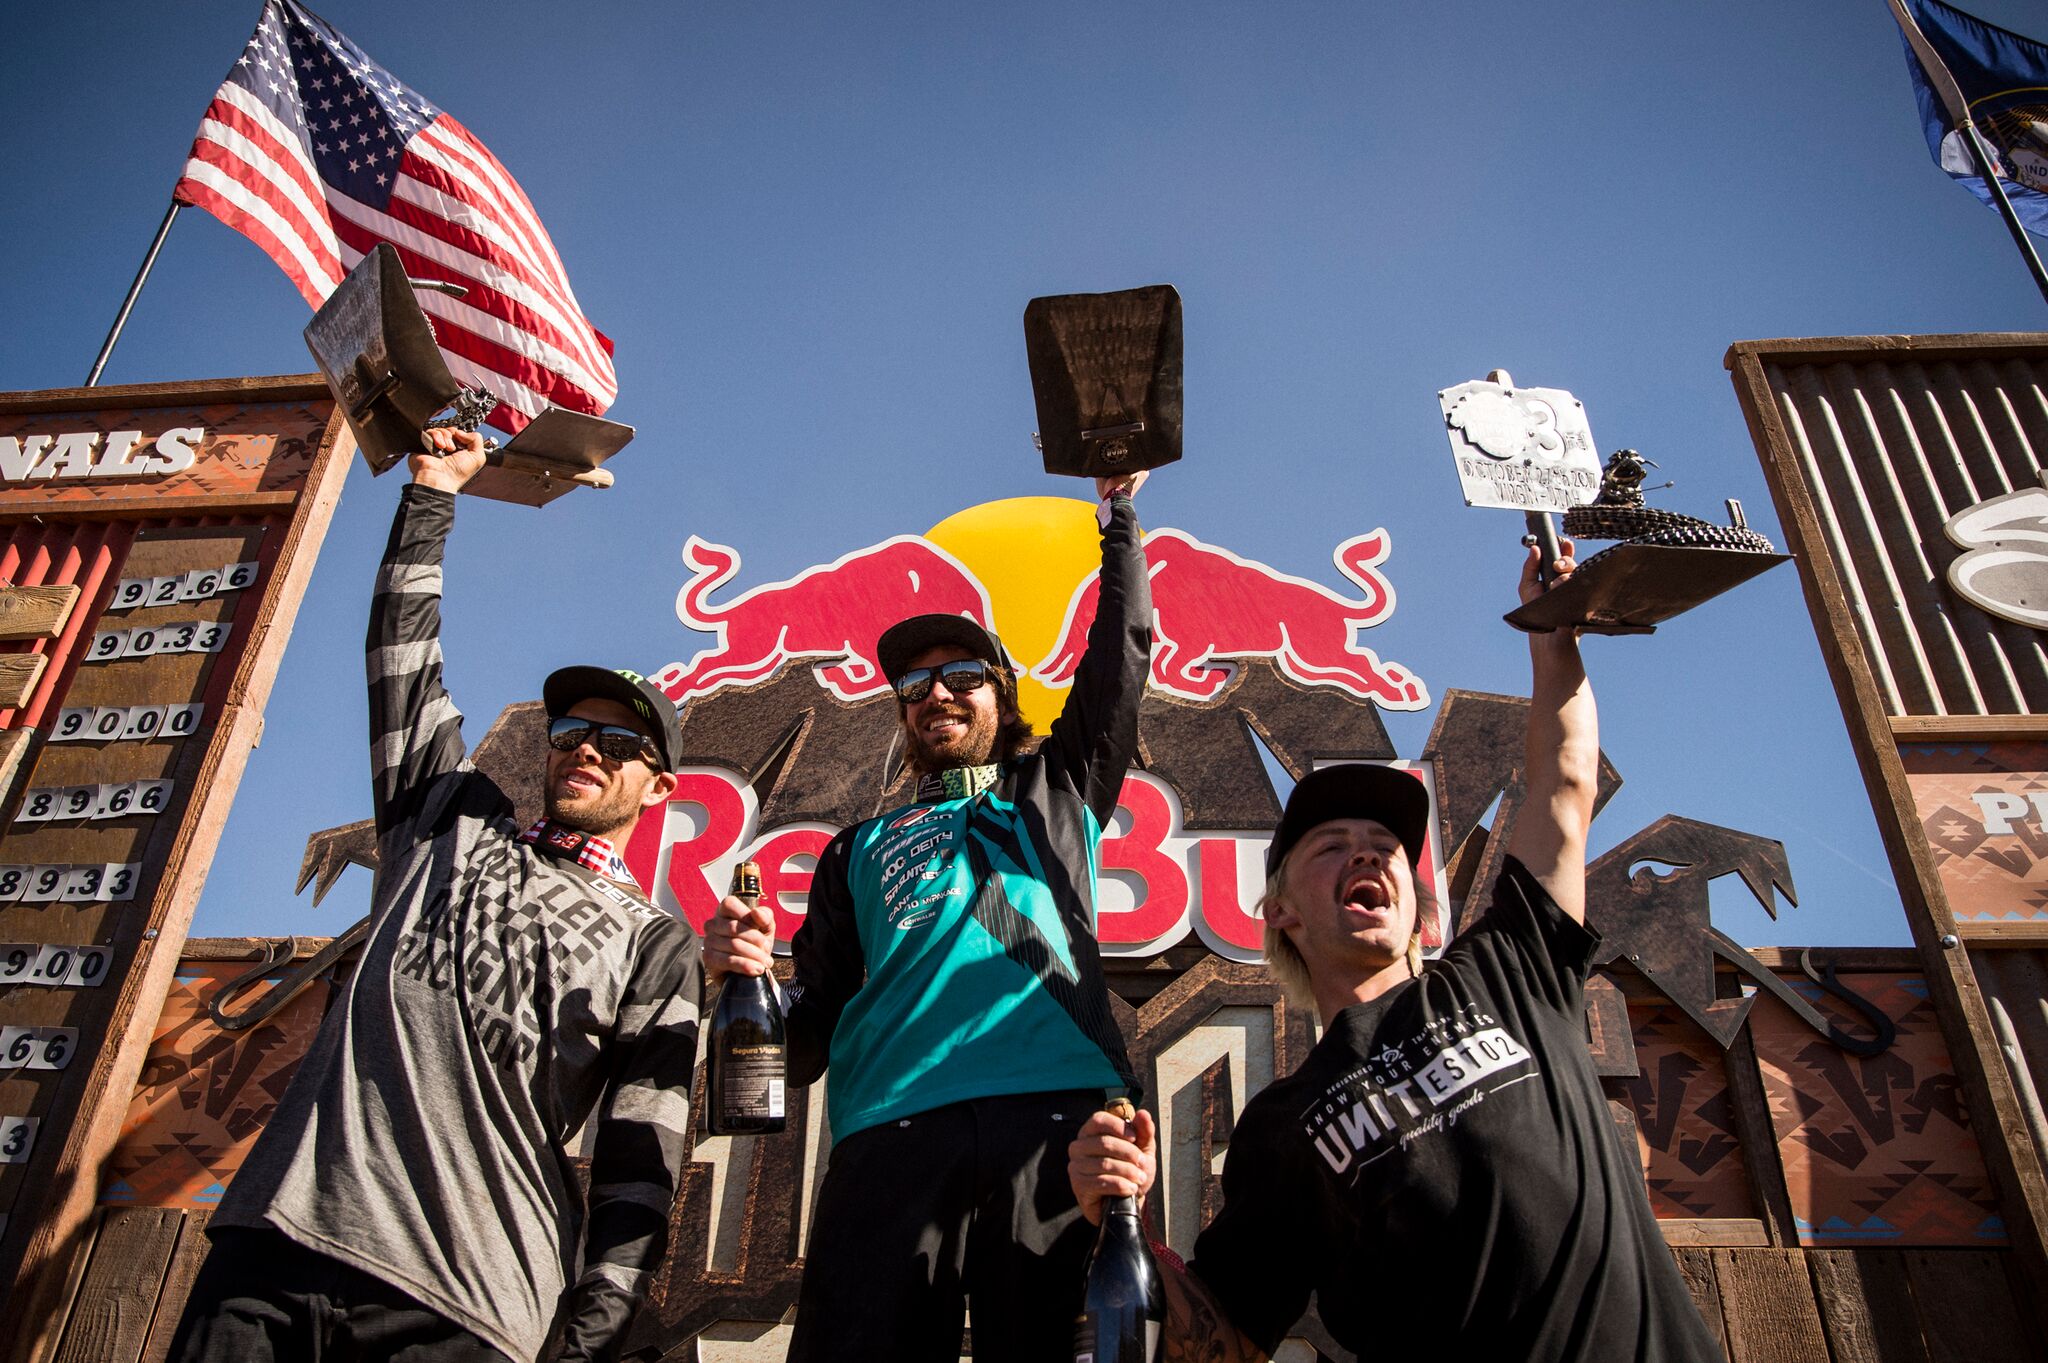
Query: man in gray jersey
x,y
415,1194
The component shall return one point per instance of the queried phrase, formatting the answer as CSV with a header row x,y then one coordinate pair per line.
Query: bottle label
x,y
753,1080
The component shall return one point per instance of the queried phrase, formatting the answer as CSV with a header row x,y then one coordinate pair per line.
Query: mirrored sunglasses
x,y
614,741
960,676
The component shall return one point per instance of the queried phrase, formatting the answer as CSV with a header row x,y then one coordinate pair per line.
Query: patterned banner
x,y
205,1093
1876,1151
1984,807
1684,1117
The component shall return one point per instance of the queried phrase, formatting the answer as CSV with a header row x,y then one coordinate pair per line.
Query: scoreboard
x,y
158,541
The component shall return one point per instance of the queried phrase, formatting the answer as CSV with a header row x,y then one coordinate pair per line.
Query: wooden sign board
x,y
159,539
1874,448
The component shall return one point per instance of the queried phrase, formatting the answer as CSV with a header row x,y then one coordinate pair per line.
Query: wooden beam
x,y
111,1315
1767,1301
1709,1231
1696,1266
170,1303
2014,1164
35,612
149,508
19,673
1866,1306
14,746
249,948
1886,960
1967,1311
199,392
1968,728
1750,1104
2013,933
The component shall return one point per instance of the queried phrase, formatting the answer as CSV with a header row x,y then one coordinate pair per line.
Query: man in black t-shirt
x,y
1441,1172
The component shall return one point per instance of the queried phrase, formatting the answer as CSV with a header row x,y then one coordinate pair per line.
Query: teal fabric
x,y
946,1015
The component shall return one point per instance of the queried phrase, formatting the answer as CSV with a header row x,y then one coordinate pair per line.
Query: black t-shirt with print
x,y
1442,1169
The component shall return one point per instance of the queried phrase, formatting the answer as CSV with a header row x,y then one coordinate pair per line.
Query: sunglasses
x,y
960,676
614,741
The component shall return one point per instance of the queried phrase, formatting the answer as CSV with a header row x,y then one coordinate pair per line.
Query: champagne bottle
x,y
748,1052
1123,1310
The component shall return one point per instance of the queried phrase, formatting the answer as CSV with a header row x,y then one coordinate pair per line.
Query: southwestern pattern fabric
x,y
1876,1151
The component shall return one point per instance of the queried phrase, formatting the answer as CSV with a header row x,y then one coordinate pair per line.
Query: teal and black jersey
x,y
949,949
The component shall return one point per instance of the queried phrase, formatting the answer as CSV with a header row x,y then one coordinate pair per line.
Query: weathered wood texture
x,y
185,1262
1696,1266
1767,1306
19,673
1967,1307
1866,1306
14,750
117,1300
35,612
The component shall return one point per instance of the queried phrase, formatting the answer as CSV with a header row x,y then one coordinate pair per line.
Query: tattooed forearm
x,y
1197,1331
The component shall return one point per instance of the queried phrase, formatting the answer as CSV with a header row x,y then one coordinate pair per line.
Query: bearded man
x,y
947,971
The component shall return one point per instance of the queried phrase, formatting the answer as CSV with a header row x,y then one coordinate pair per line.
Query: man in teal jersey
x,y
948,974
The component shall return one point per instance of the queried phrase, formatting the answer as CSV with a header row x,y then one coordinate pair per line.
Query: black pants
x,y
965,1203
261,1297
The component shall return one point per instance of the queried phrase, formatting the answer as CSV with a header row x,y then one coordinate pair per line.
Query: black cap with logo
x,y
569,685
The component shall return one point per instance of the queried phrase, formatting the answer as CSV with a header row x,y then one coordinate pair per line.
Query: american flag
x,y
316,153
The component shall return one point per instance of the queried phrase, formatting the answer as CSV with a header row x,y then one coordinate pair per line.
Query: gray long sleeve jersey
x,y
503,995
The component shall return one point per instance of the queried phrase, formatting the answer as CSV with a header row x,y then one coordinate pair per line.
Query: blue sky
x,y
811,231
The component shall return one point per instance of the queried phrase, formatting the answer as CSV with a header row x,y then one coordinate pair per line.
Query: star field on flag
x,y
316,153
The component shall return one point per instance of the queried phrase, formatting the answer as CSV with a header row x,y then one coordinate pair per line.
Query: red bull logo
x,y
1210,604
1028,569
836,610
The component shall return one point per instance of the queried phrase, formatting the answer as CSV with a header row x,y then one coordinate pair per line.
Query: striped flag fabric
x,y
316,153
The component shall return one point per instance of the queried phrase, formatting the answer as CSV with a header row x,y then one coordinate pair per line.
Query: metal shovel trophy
x,y
1105,372
376,349
1531,449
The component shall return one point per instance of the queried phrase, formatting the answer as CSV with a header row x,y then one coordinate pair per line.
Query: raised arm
x,y
1096,734
415,729
636,1162
1561,767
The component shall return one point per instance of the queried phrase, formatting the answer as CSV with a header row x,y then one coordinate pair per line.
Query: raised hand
x,y
451,458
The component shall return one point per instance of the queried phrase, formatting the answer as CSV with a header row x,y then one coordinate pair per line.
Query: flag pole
x,y
127,304
1959,114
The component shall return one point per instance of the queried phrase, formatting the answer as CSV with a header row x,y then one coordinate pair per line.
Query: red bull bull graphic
x,y
1026,568
1212,605
833,611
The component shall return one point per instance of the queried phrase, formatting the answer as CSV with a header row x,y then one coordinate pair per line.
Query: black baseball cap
x,y
901,643
1355,790
564,688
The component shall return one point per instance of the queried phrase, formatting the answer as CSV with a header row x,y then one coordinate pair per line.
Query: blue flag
x,y
2003,79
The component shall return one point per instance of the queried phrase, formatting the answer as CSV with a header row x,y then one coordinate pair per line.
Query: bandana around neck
x,y
956,783
587,850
